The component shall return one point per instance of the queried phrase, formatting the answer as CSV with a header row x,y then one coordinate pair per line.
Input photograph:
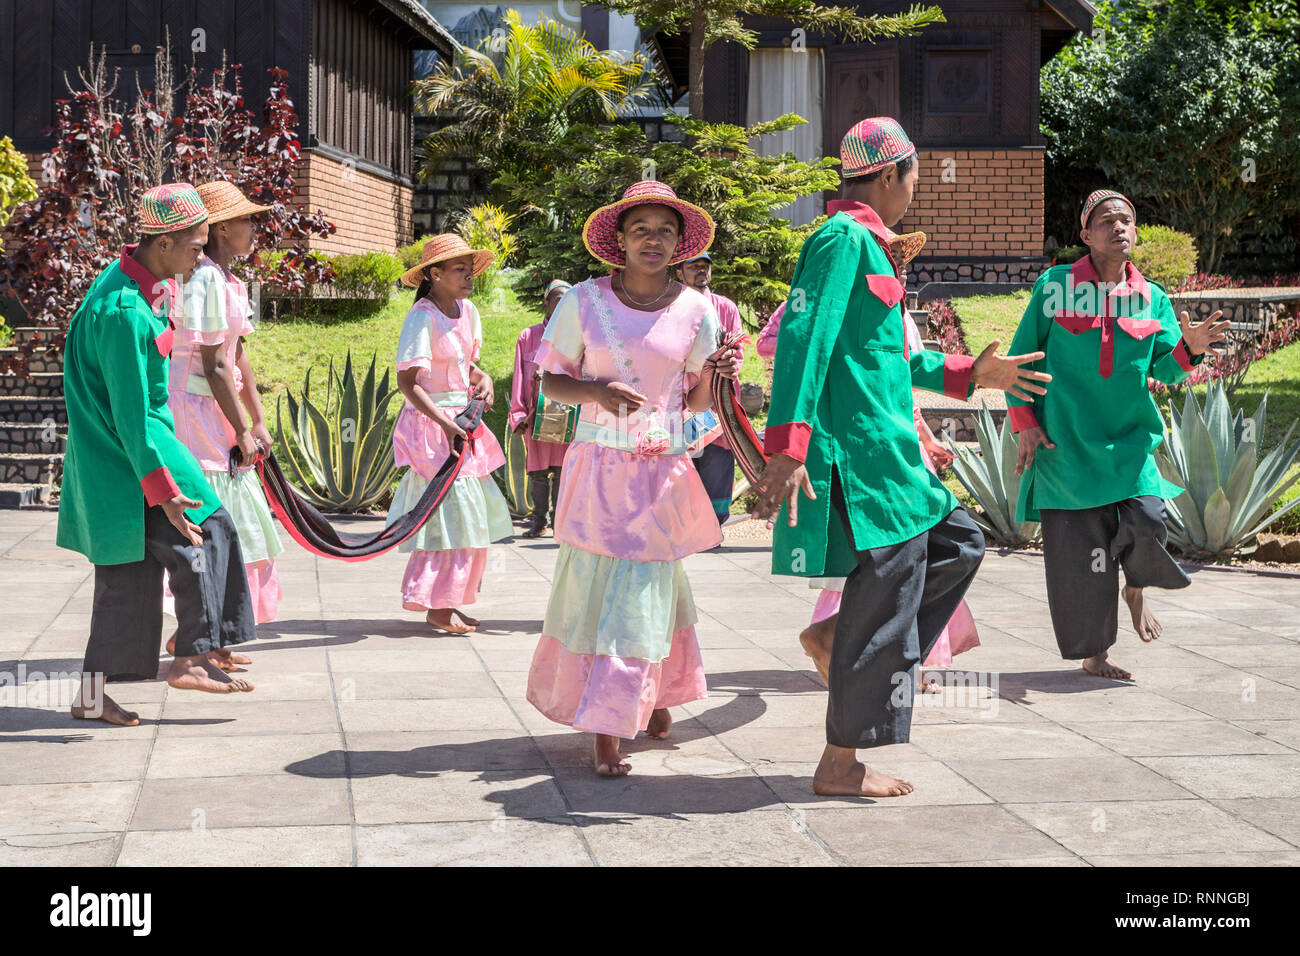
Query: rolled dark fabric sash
x,y
312,530
736,425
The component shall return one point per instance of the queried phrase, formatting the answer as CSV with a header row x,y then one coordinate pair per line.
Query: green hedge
x,y
1164,255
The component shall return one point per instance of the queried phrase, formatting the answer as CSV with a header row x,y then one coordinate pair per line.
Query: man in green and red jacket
x,y
133,499
841,430
1094,483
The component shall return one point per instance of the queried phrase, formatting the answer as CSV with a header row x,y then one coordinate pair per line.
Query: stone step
x,y
31,333
29,409
39,384
30,469
30,438
14,495
38,361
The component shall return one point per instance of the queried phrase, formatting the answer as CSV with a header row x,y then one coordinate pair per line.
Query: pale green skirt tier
x,y
472,514
616,607
245,501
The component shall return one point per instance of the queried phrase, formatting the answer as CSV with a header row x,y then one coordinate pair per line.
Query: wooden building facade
x,y
350,66
965,90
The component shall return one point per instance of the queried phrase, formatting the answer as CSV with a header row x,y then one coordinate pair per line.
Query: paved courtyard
x,y
371,741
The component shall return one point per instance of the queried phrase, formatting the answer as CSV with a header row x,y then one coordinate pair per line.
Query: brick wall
x,y
990,203
369,212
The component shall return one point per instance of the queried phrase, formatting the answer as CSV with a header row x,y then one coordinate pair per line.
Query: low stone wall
x,y
987,270
1261,307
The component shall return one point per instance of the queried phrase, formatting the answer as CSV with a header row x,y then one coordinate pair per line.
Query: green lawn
x,y
988,317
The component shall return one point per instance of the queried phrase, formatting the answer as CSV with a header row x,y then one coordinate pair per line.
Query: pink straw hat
x,y
600,233
442,247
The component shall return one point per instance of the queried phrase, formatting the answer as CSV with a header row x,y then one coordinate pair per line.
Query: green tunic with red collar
x,y
1101,344
842,399
122,454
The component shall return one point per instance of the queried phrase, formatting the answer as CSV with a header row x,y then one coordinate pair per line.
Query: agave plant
x,y
1229,492
341,455
991,479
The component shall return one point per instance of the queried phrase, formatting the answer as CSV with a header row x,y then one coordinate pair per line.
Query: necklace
x,y
668,284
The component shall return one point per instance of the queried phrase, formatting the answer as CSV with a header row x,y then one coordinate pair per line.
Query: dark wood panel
x,y
31,42
861,81
108,24
142,27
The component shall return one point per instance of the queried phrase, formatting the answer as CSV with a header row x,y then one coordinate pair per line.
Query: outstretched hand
x,y
780,483
1008,374
1202,335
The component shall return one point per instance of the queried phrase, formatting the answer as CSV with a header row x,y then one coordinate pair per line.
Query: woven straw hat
x,y
600,233
224,202
440,249
170,208
905,247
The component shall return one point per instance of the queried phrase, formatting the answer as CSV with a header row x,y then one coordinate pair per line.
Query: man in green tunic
x,y
1094,484
841,430
133,500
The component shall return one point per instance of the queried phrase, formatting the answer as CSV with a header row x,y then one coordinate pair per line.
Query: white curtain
x,y
782,80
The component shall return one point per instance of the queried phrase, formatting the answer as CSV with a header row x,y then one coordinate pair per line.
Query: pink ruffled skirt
x,y
599,694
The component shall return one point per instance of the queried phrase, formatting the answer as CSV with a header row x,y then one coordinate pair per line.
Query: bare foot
x,y
817,640
1144,620
228,660
607,760
841,775
171,643
471,621
929,684
441,619
108,711
199,673
1101,666
660,723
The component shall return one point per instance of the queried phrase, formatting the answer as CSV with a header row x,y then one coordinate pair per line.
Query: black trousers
x,y
717,468
1082,552
544,490
896,604
213,607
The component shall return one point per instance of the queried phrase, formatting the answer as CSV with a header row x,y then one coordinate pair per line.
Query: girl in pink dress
x,y
960,635
436,371
213,393
636,350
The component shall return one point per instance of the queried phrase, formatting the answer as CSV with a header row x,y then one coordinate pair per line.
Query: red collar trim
x,y
152,289
1134,283
864,215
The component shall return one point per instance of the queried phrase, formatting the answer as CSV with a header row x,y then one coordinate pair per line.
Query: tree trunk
x,y
695,67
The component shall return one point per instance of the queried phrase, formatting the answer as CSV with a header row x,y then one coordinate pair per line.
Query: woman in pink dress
x,y
638,351
960,635
213,393
436,354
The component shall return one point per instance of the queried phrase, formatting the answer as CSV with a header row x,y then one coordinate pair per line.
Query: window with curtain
x,y
782,81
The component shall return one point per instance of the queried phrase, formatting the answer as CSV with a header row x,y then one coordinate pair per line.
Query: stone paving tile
x,y
880,835
1251,775
1041,780
703,839
240,846
1141,827
456,795
557,842
1280,816
66,807
279,800
59,849
372,739
1169,738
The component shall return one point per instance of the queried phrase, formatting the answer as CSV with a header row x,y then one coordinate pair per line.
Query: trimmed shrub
x,y
1164,255
1068,254
371,275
